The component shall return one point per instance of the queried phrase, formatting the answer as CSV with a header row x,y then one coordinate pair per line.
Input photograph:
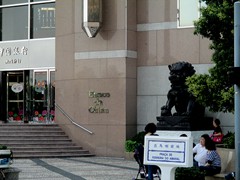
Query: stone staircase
x,y
39,141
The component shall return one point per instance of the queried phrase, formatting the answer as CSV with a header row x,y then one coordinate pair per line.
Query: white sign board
x,y
168,153
27,54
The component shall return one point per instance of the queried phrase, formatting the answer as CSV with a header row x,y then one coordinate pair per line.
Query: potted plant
x,y
6,156
229,140
131,144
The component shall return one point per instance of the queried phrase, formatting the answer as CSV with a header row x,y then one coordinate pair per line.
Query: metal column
x,y
236,86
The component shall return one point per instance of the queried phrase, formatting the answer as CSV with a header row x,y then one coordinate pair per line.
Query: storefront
x,y
28,95
27,60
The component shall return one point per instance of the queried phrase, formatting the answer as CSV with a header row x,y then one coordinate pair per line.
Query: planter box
x,y
5,158
129,155
228,159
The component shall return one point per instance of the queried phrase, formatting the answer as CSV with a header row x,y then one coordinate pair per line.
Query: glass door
x,y
15,95
43,96
40,96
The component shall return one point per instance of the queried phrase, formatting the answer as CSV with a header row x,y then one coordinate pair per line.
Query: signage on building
x,y
12,55
27,54
98,106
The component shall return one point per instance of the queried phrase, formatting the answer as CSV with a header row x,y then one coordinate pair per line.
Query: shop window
x,y
14,23
43,20
18,23
188,12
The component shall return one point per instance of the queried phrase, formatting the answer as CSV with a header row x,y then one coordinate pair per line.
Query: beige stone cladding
x,y
161,42
104,65
127,59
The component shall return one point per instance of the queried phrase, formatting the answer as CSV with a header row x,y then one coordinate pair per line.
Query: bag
x,y
217,139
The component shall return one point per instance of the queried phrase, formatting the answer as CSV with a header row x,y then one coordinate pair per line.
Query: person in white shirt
x,y
200,152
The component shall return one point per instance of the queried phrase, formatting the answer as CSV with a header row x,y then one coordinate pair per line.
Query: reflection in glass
x,y
7,2
40,96
14,23
43,20
93,10
188,12
15,96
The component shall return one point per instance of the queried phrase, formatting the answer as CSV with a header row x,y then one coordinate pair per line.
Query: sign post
x,y
168,153
237,86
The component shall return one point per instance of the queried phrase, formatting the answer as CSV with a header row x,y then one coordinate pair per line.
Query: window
x,y
43,20
14,24
188,12
17,25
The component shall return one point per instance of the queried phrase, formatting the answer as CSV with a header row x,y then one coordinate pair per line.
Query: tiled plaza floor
x,y
90,168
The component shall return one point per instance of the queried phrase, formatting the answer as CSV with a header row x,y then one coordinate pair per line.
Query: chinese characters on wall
x,y
12,55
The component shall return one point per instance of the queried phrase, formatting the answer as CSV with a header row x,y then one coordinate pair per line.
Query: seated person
x,y
200,152
217,131
217,134
213,160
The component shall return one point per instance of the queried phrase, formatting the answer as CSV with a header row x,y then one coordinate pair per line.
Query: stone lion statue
x,y
178,95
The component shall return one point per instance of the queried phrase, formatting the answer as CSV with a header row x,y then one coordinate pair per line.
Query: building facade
x,y
27,60
115,83
107,88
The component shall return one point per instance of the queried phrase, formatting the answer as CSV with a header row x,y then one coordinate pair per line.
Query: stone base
x,y
184,123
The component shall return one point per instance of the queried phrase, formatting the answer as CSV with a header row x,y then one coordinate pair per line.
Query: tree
x,y
214,90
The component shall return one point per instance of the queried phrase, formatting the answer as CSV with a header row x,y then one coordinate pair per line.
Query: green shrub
x,y
191,173
130,145
3,147
229,140
139,137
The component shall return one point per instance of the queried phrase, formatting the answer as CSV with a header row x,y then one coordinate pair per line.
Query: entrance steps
x,y
39,141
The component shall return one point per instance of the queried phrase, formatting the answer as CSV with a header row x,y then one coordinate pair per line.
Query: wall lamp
x,y
92,17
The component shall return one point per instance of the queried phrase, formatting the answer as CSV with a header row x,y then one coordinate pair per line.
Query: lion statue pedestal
x,y
184,123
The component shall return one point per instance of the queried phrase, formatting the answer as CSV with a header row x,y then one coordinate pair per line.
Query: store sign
x,y
12,55
27,54
98,103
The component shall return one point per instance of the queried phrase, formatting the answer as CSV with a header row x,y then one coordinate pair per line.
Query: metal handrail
x,y
71,120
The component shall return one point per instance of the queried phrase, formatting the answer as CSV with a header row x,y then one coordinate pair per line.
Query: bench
x,y
227,163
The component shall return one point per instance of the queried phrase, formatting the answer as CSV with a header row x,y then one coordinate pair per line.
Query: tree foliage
x,y
213,90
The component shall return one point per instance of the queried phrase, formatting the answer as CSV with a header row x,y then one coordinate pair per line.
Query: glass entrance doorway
x,y
29,96
15,95
43,96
